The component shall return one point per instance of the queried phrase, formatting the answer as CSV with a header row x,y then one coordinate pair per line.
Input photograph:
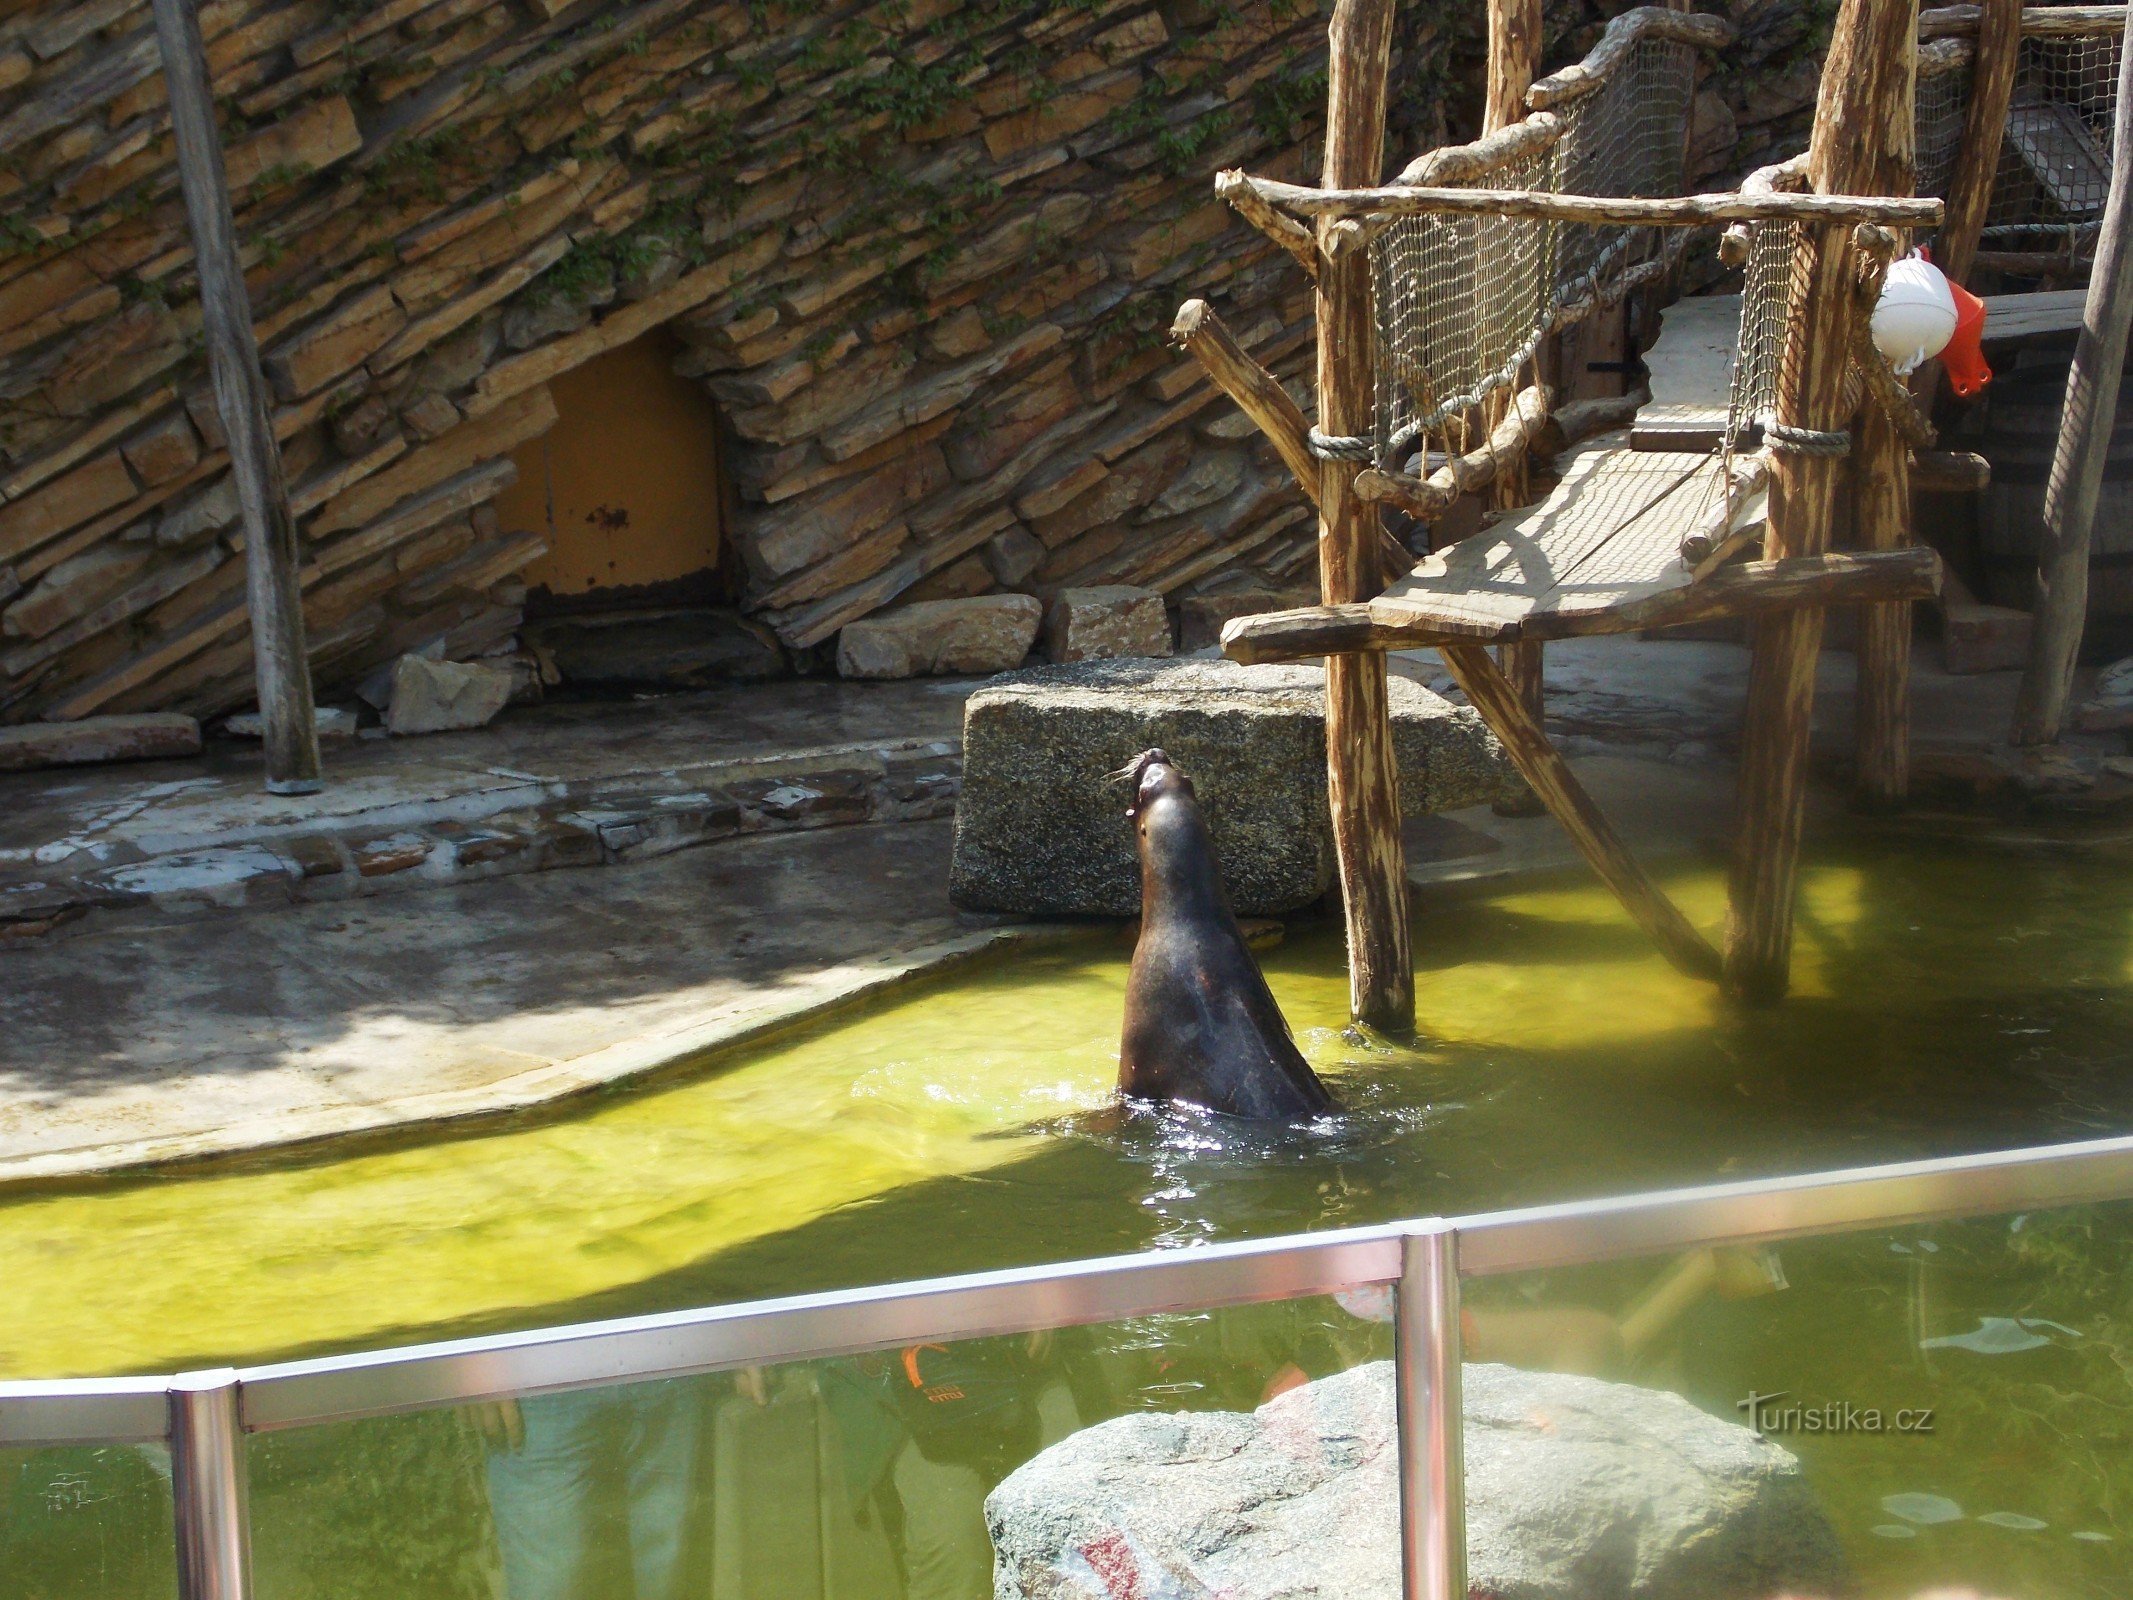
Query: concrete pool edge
x,y
634,1062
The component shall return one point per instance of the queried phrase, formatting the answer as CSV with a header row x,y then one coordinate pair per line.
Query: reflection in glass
x,y
1956,1396
86,1523
860,1478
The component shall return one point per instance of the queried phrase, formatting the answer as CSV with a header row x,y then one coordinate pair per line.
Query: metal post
x,y
1426,1363
207,1486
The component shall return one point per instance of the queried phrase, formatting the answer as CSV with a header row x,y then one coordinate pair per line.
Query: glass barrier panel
x,y
1941,1411
871,1477
86,1523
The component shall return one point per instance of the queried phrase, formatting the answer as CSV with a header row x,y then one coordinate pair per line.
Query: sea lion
x,y
1201,1025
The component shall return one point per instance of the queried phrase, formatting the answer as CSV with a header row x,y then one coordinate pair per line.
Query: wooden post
x,y
1514,58
275,600
1362,777
1977,159
2084,447
1863,113
1881,515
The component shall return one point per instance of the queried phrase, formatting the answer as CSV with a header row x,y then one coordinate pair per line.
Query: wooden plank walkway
x,y
1608,534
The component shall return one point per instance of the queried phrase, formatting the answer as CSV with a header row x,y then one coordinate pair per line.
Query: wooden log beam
x,y
1677,211
2083,450
1362,775
1615,43
1235,187
1455,164
1744,589
1950,471
280,661
1544,768
1714,538
1258,393
2038,22
1863,122
1436,494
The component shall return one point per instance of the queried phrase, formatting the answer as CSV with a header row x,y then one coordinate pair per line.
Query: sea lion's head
x,y
1154,776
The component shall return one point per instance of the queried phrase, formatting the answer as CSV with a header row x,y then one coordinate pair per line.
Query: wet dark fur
x,y
1201,1025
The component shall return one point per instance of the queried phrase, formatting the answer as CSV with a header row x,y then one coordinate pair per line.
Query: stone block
x,y
1111,620
1576,1489
1201,617
71,588
66,501
436,696
1041,829
331,347
141,737
983,633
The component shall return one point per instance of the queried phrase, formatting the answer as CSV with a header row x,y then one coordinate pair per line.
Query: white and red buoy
x,y
1921,314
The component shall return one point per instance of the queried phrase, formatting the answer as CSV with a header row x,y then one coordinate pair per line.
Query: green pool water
x,y
1957,993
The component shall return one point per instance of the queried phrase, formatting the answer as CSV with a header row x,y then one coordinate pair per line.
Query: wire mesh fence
x,y
2055,155
1464,302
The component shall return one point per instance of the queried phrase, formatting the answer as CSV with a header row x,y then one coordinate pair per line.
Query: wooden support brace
x,y
274,594
1233,186
1543,767
1258,393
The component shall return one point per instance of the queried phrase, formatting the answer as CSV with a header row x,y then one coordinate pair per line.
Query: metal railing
x,y
205,1416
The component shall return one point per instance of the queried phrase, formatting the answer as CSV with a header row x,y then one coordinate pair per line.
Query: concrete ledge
x,y
690,1045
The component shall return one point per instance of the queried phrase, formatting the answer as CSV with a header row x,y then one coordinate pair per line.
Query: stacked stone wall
x,y
922,252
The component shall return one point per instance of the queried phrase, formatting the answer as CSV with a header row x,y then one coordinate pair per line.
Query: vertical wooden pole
x,y
1881,507
1977,159
1881,513
1362,777
1862,113
1514,58
279,660
2084,447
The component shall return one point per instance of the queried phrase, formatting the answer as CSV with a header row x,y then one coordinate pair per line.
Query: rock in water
x,y
1576,1490
1037,830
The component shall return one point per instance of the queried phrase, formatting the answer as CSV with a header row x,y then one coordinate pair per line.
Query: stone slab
x,y
439,696
1041,830
981,633
1577,1489
1104,622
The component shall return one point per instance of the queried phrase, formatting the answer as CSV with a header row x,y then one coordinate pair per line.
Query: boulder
x,y
1201,616
982,633
437,696
142,736
1040,829
2109,706
1576,1490
335,724
1108,621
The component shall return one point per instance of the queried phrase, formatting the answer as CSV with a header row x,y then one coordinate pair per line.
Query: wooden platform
x,y
1607,535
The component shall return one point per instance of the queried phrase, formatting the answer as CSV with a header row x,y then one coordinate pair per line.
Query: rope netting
x,y
2055,157
1464,302
1765,306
